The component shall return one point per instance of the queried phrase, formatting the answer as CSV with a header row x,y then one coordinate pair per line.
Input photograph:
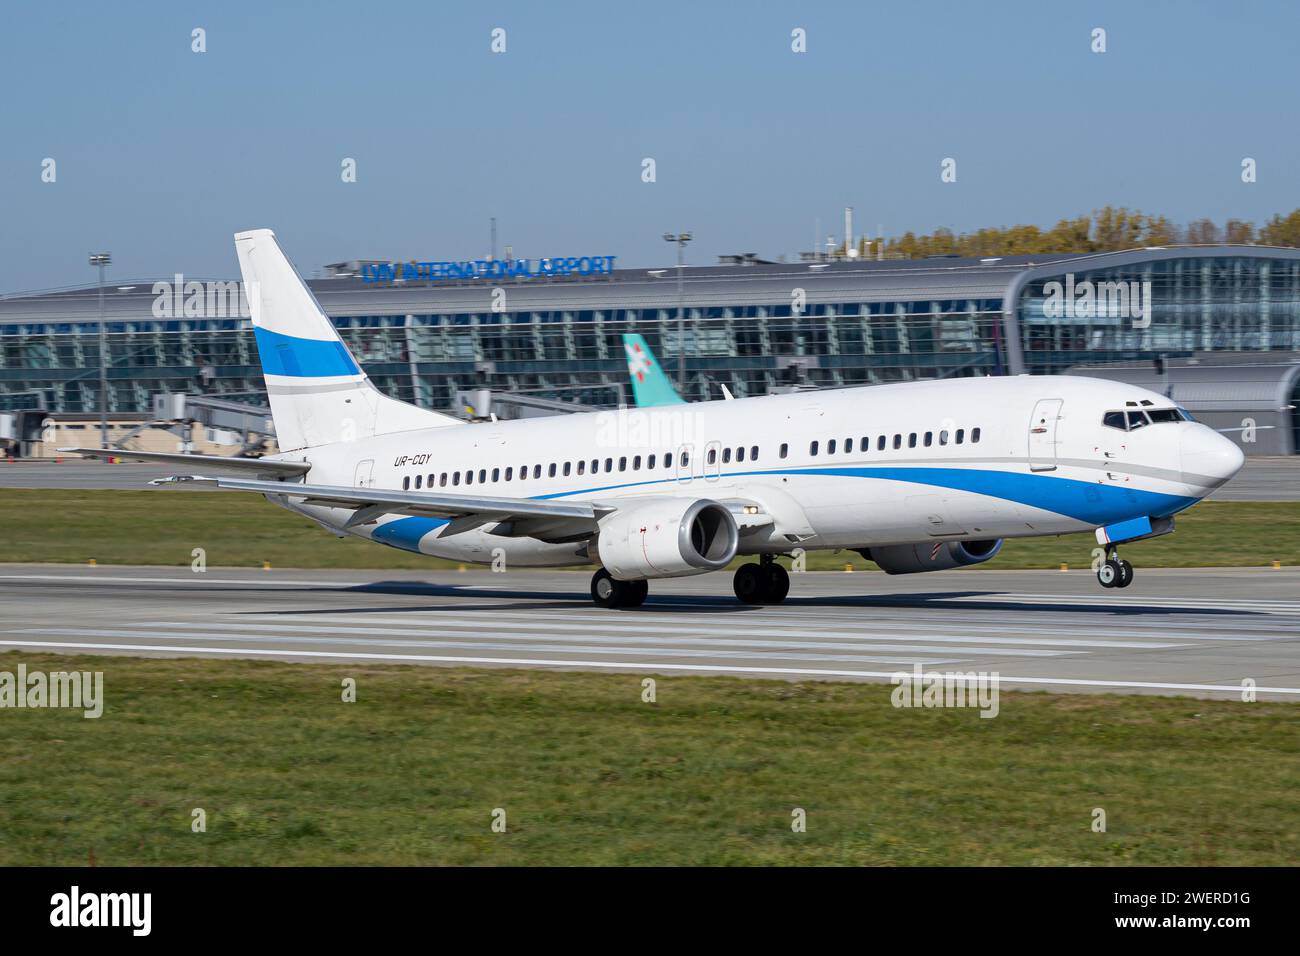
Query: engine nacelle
x,y
667,538
932,555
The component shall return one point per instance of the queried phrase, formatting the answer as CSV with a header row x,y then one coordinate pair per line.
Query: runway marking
x,y
771,627
624,666
553,648
679,634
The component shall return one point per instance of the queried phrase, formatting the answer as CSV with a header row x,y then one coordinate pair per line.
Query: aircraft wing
x,y
255,466
464,512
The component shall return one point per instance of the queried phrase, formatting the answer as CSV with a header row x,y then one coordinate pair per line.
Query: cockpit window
x,y
1134,418
1114,420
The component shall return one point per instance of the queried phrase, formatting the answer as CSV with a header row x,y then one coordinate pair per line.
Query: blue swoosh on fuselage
x,y
1085,501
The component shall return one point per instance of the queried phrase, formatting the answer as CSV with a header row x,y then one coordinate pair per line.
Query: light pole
x,y
681,239
102,259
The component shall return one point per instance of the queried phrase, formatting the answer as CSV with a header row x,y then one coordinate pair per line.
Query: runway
x,y
1175,631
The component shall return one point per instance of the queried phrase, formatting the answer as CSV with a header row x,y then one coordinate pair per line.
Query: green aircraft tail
x,y
650,386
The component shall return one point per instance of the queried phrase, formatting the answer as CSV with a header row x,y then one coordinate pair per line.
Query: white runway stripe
x,y
491,645
483,624
1234,689
677,626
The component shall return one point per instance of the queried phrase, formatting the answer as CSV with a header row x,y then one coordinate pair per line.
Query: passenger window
x,y
455,477
419,482
740,453
943,437
880,443
712,455
686,459
865,444
668,459
911,440
442,480
929,439
898,441
482,475
510,473
469,477
582,466
812,449
636,462
753,453
550,470
974,435
726,456
406,483
785,450
609,465
848,445
622,463
537,471
961,434
830,447
496,475
567,467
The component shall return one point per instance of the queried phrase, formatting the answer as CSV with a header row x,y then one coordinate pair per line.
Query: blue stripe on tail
x,y
302,358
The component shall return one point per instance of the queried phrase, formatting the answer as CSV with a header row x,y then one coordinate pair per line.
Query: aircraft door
x,y
365,476
1043,434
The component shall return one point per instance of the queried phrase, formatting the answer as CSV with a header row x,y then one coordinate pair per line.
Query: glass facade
x,y
572,355
1195,304
865,324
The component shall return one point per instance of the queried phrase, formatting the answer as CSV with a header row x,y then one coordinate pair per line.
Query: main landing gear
x,y
608,592
1115,572
763,583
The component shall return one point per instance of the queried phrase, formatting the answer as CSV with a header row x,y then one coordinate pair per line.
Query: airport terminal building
x,y
424,331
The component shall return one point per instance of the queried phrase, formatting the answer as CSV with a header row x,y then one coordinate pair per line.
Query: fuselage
x,y
960,459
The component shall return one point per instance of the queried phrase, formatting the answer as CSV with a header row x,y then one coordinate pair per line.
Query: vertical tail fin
x,y
319,394
650,386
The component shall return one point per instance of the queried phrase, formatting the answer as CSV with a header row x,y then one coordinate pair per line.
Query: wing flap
x,y
370,503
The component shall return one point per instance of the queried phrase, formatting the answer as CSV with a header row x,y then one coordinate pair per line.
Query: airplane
x,y
650,386
916,476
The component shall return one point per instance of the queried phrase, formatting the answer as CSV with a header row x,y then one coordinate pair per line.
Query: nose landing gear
x,y
1115,572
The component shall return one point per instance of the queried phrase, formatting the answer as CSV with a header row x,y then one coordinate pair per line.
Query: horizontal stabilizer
x,y
254,466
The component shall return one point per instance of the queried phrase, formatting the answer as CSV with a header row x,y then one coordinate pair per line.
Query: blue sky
x,y
163,153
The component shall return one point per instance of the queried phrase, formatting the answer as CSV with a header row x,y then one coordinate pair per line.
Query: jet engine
x,y
666,538
932,555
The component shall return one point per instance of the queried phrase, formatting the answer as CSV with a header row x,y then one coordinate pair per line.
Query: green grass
x,y
589,774
161,527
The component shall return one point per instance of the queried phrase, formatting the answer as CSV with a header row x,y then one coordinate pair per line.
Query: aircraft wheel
x,y
749,583
1125,574
605,591
1108,574
777,584
637,591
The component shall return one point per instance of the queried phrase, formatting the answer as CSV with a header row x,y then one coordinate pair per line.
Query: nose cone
x,y
1207,457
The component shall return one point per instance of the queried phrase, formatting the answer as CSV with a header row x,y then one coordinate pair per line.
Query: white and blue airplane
x,y
918,476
